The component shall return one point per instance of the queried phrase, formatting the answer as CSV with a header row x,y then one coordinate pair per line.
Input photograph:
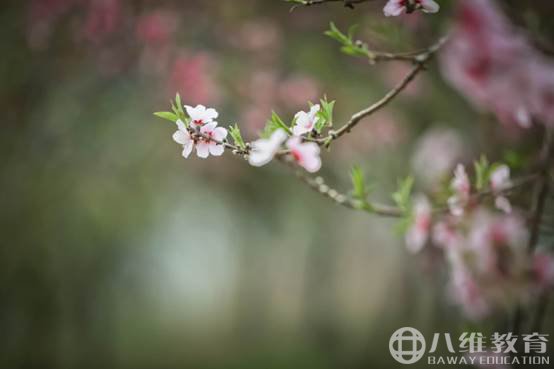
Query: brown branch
x,y
419,60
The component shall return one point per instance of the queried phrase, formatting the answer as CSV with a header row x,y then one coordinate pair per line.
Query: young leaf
x,y
360,190
167,116
482,173
325,115
234,132
402,197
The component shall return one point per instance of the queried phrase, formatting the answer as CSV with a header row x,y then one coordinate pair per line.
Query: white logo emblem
x,y
407,345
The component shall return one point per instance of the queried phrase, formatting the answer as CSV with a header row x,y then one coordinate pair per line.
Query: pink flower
x,y
466,291
305,122
296,90
104,16
461,187
212,144
200,115
193,77
263,150
305,154
155,28
500,181
487,56
418,234
396,7
182,137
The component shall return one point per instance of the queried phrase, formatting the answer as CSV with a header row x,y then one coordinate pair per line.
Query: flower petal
x,y
181,137
430,6
393,8
215,149
219,133
187,149
202,150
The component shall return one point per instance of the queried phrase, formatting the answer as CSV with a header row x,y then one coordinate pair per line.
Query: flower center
x,y
296,156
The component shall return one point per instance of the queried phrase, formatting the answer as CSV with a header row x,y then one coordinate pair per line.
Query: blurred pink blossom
x,y
103,18
156,28
296,91
193,77
494,66
42,14
435,155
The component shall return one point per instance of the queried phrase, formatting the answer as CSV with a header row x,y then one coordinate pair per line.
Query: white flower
x,y
418,234
263,150
305,122
500,178
461,186
182,137
397,7
201,115
500,181
305,154
207,146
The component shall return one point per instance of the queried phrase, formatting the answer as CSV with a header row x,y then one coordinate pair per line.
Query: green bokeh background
x,y
118,253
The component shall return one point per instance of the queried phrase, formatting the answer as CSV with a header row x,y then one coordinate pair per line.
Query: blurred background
x,y
118,253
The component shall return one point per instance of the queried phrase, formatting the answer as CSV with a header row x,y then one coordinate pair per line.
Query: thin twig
x,y
420,61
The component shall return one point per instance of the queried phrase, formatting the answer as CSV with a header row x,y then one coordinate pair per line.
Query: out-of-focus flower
x,y
263,150
489,263
192,77
155,28
102,20
396,7
461,186
200,115
500,181
212,143
467,293
486,57
305,154
304,122
418,234
182,137
435,155
296,90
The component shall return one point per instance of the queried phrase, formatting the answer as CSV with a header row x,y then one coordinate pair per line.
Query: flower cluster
x,y
496,68
486,250
198,129
202,133
305,154
397,7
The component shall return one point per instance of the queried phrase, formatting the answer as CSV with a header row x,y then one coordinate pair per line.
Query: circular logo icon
x,y
407,345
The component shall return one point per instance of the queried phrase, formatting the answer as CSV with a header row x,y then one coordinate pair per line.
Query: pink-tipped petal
x,y
393,8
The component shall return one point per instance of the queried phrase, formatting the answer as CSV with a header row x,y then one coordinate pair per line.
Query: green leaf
x,y
482,172
234,132
337,35
167,116
402,197
360,190
349,45
325,115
